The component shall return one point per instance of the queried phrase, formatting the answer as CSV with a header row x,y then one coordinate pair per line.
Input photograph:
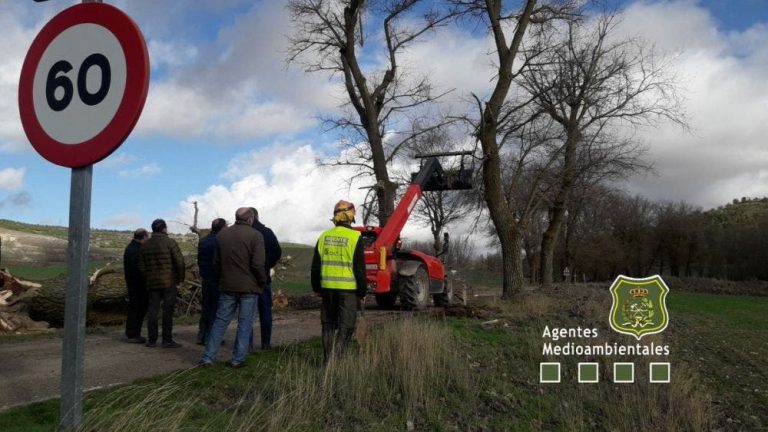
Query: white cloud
x,y
236,86
147,170
12,178
174,110
13,46
169,54
260,161
294,196
117,160
453,59
727,99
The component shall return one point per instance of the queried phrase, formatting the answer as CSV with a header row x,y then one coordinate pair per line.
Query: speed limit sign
x,y
83,84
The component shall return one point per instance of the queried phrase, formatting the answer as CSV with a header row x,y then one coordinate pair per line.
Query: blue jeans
x,y
228,304
264,304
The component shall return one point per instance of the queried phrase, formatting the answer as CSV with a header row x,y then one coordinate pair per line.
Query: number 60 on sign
x,y
83,84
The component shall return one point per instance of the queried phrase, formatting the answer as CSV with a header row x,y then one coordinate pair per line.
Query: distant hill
x,y
42,244
741,211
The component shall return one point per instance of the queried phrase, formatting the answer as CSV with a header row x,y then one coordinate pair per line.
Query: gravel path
x,y
30,371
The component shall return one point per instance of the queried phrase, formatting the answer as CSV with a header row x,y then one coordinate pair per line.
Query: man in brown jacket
x,y
162,268
239,258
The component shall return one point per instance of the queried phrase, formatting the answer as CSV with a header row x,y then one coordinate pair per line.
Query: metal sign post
x,y
83,86
73,350
76,296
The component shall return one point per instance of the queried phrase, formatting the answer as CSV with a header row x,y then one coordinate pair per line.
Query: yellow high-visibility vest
x,y
337,249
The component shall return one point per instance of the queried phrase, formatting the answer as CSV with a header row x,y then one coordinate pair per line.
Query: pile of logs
x,y
14,296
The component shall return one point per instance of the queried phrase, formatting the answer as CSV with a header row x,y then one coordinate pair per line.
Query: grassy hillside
x,y
49,230
743,211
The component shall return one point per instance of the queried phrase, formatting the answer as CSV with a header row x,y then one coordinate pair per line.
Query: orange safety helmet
x,y
344,212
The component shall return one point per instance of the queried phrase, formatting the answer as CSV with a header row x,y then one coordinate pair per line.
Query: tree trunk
x,y
507,228
107,299
548,243
103,300
549,239
385,189
512,264
437,242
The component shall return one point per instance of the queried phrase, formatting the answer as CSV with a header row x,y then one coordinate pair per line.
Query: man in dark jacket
x,y
137,294
206,248
264,302
162,269
338,275
239,259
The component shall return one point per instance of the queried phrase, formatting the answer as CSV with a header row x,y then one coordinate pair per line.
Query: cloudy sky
x,y
227,123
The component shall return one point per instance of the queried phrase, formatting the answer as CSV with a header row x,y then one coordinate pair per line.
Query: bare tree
x,y
326,38
590,85
500,120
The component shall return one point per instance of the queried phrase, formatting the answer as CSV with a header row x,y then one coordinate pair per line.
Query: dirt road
x,y
30,371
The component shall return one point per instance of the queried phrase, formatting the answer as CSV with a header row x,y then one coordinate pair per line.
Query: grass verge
x,y
447,373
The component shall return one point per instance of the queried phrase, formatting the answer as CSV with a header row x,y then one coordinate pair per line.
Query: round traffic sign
x,y
83,84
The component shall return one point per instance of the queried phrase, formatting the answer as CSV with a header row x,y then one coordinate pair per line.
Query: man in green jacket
x,y
162,268
338,275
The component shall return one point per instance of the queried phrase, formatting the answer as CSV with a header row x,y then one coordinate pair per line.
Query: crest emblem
x,y
639,306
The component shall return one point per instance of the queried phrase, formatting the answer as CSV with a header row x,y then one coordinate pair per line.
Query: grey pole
x,y
73,351
76,300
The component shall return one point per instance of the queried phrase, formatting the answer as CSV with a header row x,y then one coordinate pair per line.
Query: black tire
x,y
414,290
386,301
446,297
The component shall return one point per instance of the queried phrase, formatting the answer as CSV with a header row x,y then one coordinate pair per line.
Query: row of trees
x,y
608,232
556,119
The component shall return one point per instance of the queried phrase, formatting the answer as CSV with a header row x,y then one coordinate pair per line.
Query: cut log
x,y
16,322
279,300
107,299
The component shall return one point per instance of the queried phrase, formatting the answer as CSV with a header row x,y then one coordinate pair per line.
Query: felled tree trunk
x,y
107,296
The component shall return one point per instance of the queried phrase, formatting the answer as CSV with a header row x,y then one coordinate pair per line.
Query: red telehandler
x,y
412,275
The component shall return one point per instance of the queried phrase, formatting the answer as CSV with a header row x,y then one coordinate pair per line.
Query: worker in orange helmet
x,y
338,276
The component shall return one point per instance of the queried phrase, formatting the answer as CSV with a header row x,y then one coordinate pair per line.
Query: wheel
x,y
414,290
446,297
386,301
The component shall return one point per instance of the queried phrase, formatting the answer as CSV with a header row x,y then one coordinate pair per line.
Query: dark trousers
x,y
265,316
168,298
208,312
138,300
264,306
338,315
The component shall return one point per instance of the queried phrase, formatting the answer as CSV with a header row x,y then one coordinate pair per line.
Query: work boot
x,y
171,344
342,340
136,340
328,344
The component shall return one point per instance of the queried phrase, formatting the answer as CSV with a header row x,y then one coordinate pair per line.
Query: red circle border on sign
x,y
136,86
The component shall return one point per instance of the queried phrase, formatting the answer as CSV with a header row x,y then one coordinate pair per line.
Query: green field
x,y
734,312
47,271
718,345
